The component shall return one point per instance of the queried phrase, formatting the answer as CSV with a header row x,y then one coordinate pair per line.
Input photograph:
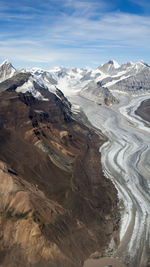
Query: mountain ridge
x,y
97,85
73,80
51,183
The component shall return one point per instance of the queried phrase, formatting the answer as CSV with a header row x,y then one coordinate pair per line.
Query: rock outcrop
x,y
56,207
144,110
136,83
101,95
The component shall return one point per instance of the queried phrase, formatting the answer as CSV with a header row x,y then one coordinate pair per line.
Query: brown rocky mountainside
x,y
144,110
56,206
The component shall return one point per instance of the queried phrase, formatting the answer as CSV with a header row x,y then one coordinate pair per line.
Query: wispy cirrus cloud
x,y
86,8
143,3
119,28
71,30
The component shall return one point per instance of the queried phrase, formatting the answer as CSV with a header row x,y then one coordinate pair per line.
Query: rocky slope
x,y
134,84
133,78
144,110
99,94
56,206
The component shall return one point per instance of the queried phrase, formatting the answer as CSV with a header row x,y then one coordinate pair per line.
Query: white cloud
x,y
9,17
86,8
120,28
32,54
71,35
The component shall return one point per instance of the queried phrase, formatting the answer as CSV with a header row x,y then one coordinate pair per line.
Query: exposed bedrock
x,y
56,207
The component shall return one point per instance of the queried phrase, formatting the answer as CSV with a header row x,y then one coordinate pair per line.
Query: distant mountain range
x,y
97,85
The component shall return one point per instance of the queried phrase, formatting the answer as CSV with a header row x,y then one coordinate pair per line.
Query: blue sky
x,y
48,33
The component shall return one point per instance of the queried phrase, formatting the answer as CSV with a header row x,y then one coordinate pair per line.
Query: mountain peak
x,y
141,62
6,70
5,62
140,65
114,63
109,67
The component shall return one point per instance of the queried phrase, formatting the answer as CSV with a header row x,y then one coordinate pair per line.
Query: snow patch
x,y
29,87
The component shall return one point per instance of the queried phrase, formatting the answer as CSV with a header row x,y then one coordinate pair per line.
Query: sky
x,y
74,33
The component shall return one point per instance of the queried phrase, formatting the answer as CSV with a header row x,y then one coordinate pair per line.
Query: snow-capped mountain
x,y
110,67
74,81
95,84
70,81
6,70
24,82
44,78
129,77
